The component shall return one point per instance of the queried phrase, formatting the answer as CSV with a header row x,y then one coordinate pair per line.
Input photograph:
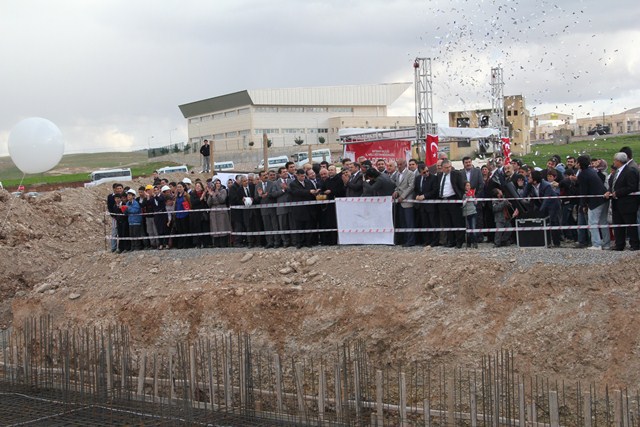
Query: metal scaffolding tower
x,y
497,101
424,99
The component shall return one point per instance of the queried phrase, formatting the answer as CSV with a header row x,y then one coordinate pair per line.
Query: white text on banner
x,y
365,220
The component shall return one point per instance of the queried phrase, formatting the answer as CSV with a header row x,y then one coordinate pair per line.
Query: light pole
x,y
171,132
149,146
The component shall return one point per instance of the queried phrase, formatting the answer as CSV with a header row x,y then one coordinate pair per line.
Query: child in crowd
x,y
470,212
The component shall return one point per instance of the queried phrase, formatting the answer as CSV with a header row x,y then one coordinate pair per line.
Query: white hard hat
x,y
132,191
186,181
165,188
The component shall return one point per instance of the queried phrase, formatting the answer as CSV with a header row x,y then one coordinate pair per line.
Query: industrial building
x,y
516,118
236,122
625,122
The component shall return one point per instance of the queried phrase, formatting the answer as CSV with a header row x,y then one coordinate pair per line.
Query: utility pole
x,y
265,151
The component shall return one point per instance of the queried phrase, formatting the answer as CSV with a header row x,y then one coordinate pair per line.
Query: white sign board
x,y
365,220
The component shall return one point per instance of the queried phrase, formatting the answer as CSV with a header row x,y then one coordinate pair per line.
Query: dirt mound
x,y
561,311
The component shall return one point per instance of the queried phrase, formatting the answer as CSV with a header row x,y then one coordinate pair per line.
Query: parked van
x,y
108,175
223,166
317,156
274,162
174,169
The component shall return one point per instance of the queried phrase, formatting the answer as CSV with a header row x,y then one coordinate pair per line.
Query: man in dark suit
x,y
302,190
314,210
377,184
237,193
403,194
355,182
115,211
269,216
451,187
632,163
426,188
472,174
332,187
280,193
624,206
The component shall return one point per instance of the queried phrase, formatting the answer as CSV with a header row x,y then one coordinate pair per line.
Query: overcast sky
x,y
112,73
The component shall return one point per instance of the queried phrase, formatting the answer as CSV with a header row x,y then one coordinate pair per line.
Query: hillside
x,y
562,311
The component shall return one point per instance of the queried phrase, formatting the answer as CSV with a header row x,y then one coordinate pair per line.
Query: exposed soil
x,y
563,315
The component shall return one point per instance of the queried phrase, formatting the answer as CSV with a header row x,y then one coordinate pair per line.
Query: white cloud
x,y
112,73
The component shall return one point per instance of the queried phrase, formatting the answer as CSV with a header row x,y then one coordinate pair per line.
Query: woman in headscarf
x,y
219,215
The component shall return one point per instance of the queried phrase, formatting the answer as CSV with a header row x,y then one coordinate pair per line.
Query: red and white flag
x,y
506,150
431,150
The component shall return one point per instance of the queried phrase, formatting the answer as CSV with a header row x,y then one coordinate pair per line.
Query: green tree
x,y
298,140
321,140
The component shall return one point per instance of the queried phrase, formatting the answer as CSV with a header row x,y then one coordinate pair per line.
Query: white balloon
x,y
35,145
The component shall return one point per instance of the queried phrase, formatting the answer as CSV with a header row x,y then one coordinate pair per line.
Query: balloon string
x,y
6,218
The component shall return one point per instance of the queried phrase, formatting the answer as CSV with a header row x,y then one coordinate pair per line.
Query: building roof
x,y
632,111
358,95
554,116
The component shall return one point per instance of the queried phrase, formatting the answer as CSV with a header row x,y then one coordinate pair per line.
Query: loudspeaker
x,y
531,238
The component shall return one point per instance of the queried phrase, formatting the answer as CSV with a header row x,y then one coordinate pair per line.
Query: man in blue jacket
x,y
596,208
133,212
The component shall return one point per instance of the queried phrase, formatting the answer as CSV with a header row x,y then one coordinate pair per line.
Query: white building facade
x,y
236,122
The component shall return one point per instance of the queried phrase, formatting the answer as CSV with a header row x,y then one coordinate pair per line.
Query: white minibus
x,y
274,162
109,175
174,169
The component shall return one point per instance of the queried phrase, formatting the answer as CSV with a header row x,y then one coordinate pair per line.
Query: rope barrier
x,y
366,230
365,200
379,230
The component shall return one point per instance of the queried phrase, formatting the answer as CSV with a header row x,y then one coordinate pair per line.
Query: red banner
x,y
431,150
506,150
374,150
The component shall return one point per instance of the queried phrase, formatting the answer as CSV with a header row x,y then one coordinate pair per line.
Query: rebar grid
x,y
94,376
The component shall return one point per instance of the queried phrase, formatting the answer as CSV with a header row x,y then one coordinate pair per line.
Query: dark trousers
x,y
488,221
407,220
554,220
427,219
136,231
622,233
161,226
451,217
270,223
292,223
567,219
327,219
123,231
304,239
284,225
182,227
195,226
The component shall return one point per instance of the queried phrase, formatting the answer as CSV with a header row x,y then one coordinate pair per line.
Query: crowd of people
x,y
580,192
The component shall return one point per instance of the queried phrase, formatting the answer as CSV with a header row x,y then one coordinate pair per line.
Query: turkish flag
x,y
431,150
506,150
